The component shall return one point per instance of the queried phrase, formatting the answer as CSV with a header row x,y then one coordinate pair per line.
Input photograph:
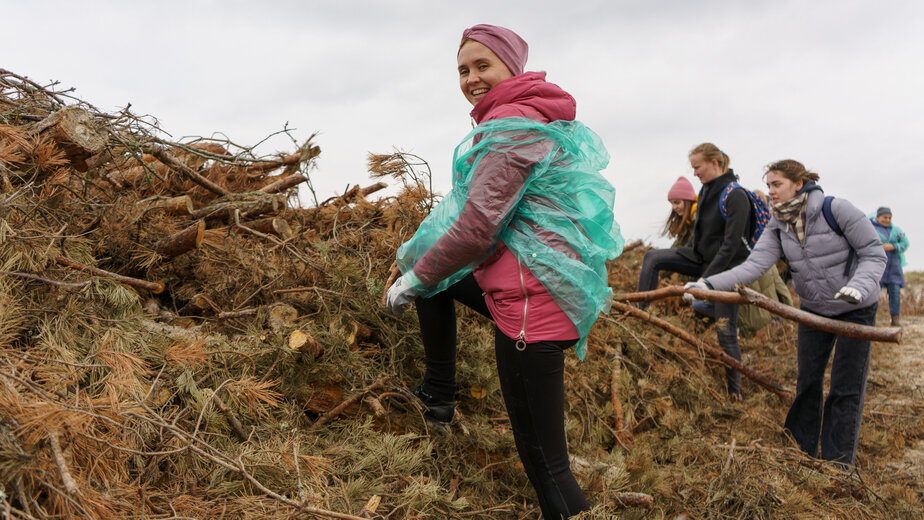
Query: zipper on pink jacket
x,y
521,339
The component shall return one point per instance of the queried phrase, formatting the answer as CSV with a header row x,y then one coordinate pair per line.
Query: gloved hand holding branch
x,y
749,296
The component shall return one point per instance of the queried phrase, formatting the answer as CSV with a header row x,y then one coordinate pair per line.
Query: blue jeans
x,y
704,308
658,260
894,291
838,419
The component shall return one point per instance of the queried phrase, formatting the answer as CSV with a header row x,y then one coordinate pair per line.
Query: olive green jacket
x,y
752,318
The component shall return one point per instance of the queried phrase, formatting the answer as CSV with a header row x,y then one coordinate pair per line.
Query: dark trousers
x,y
838,420
532,383
894,291
726,315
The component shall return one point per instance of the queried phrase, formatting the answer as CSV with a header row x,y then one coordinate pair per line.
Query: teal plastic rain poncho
x,y
558,221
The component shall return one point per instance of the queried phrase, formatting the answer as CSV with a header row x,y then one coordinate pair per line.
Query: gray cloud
x,y
835,84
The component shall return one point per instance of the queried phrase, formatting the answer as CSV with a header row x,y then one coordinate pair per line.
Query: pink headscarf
x,y
509,47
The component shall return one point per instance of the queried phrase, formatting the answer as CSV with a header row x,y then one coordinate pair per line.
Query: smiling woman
x,y
479,70
522,238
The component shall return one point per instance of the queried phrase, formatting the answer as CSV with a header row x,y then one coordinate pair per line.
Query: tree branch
x,y
711,350
154,287
746,296
170,160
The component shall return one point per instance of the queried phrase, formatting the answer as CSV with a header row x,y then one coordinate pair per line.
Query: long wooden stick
x,y
750,296
154,287
711,350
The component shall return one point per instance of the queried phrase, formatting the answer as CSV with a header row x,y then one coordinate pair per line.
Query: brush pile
x,y
180,339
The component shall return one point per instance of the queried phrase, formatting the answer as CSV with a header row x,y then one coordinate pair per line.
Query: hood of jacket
x,y
809,186
526,95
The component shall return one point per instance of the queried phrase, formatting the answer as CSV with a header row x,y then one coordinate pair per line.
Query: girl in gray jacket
x,y
836,274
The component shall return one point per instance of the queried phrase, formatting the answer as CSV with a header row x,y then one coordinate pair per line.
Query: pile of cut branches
x,y
179,338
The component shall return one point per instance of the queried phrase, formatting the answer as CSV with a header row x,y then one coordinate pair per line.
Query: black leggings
x,y
532,383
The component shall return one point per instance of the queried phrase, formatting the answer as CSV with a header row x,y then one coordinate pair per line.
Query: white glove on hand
x,y
849,295
698,284
399,295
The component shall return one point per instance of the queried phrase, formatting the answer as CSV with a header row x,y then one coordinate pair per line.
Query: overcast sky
x,y
837,85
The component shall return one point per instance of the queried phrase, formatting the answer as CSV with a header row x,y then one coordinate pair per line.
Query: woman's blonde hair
x,y
711,152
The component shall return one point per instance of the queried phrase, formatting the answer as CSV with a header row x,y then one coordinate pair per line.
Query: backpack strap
x,y
723,198
832,223
829,216
723,210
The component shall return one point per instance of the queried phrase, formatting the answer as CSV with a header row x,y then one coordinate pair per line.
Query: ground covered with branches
x,y
180,339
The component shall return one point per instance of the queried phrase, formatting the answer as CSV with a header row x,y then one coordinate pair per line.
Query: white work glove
x,y
849,295
698,284
399,295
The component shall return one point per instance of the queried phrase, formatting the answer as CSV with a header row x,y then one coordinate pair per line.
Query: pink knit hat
x,y
682,190
509,47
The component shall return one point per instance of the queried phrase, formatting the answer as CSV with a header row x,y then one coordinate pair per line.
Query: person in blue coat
x,y
895,243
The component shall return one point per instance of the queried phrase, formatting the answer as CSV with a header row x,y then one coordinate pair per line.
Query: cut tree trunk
x,y
77,132
182,205
181,242
284,184
302,341
249,208
271,226
281,316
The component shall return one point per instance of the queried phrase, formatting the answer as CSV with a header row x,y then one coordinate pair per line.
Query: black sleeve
x,y
737,218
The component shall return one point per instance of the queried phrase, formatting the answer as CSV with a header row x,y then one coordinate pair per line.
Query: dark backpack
x,y
832,223
758,207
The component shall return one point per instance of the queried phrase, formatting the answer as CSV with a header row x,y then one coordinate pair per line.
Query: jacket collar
x,y
716,185
525,93
723,179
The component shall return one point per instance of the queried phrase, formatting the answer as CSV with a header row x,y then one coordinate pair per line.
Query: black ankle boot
x,y
896,322
434,409
440,411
